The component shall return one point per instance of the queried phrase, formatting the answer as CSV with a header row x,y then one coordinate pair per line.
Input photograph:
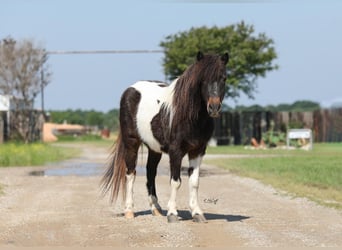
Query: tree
x,y
251,56
94,118
22,67
108,120
305,105
111,119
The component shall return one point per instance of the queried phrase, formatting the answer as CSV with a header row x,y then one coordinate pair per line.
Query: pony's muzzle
x,y
214,106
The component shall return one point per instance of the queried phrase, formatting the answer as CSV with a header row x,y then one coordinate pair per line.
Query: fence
x,y
240,127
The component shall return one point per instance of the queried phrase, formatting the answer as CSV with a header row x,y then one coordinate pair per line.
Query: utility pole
x,y
42,87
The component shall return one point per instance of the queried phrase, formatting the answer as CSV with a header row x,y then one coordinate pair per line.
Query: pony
x,y
176,119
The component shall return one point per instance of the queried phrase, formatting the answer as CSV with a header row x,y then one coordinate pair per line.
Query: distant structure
x,y
239,128
7,105
52,130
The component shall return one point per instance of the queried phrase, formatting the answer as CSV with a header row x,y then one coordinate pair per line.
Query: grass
x,y
315,174
13,154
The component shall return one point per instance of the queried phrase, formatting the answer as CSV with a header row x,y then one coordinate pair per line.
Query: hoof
x,y
199,218
156,212
129,215
172,218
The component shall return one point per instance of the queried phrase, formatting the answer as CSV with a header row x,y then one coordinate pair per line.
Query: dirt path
x,y
68,211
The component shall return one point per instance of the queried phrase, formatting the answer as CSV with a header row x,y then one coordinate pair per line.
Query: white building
x,y
8,104
5,103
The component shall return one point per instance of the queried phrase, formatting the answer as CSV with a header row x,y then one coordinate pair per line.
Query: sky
x,y
307,37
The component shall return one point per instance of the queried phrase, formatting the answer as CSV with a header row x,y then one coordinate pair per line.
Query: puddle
x,y
97,169
79,169
72,169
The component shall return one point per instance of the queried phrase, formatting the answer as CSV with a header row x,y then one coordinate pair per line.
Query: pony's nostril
x,y
209,108
215,107
219,107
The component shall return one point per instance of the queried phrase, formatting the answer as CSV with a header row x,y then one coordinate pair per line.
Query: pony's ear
x,y
225,58
199,55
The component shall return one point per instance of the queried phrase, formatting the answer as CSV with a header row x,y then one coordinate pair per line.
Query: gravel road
x,y
58,207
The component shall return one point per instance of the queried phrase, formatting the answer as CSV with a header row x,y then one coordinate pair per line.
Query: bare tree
x,y
22,67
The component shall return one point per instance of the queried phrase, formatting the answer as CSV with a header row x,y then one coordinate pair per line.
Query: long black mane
x,y
186,100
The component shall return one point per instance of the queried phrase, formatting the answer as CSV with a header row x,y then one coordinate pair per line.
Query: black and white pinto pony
x,y
176,119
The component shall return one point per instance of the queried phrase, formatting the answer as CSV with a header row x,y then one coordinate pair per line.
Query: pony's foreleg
x,y
193,172
129,204
172,214
175,162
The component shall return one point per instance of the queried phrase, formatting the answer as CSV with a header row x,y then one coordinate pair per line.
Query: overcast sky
x,y
307,36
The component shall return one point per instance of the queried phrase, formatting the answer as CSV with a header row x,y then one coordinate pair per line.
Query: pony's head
x,y
213,80
201,84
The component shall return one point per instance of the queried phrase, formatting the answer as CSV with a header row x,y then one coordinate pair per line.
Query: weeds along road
x,y
67,210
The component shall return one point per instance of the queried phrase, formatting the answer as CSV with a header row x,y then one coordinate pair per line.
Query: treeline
x,y
102,120
298,106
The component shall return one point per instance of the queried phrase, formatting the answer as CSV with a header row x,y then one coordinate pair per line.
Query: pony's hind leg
x,y
131,160
152,164
129,203
128,110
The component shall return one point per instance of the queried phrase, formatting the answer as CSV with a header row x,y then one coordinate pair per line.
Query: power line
x,y
75,52
66,52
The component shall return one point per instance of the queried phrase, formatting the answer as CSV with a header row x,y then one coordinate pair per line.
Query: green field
x,y
33,154
315,174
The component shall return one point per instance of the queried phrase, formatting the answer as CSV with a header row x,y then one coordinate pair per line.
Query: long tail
x,y
114,178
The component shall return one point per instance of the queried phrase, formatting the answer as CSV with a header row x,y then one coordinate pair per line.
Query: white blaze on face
x,y
213,89
152,97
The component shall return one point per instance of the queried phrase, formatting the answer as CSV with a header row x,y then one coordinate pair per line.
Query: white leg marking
x,y
129,192
175,185
155,207
193,186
